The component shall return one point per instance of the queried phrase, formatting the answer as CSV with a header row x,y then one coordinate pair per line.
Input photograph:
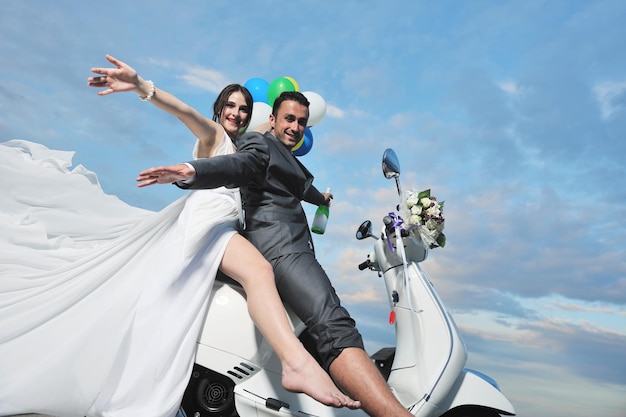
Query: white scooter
x,y
237,374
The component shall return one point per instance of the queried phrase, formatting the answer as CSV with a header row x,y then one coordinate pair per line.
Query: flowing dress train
x,y
101,303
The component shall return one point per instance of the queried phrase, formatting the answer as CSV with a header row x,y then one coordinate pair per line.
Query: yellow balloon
x,y
295,84
300,142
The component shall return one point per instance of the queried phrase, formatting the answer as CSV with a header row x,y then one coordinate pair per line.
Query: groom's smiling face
x,y
290,122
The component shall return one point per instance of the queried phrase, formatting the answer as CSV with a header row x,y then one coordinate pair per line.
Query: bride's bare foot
x,y
306,376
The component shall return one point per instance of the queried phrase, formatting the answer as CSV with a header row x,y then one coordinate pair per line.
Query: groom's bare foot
x,y
308,377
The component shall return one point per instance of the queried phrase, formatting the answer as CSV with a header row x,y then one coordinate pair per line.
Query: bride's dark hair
x,y
222,99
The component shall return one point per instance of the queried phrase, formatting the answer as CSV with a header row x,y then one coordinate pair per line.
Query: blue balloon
x,y
258,88
306,145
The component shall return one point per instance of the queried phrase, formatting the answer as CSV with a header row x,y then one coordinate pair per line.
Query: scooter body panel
x,y
228,327
472,390
429,352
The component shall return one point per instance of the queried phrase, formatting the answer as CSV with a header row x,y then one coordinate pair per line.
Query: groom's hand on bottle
x,y
165,174
328,196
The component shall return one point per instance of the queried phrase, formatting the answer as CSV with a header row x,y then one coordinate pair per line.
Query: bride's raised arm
x,y
124,78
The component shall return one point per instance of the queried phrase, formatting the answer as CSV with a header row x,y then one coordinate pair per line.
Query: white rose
x,y
434,211
416,210
411,200
432,225
432,229
415,219
426,202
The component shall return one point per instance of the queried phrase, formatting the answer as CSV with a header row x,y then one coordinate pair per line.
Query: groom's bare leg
x,y
355,372
301,373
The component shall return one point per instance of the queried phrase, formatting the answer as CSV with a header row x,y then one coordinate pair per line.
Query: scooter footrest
x,y
275,404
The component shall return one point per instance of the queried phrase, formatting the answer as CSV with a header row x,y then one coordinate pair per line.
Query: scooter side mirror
x,y
391,164
365,230
391,167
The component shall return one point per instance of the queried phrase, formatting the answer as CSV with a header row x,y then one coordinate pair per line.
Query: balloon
x,y
299,144
295,84
260,114
317,107
304,145
279,85
258,88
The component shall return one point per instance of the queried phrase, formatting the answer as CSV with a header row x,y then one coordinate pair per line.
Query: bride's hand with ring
x,y
122,78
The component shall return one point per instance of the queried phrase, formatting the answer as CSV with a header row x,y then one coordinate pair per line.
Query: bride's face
x,y
235,113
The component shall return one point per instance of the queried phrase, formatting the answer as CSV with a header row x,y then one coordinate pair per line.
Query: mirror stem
x,y
399,188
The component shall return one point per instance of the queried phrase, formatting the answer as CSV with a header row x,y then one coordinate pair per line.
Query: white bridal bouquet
x,y
424,215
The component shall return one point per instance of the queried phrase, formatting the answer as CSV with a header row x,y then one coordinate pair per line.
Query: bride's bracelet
x,y
150,94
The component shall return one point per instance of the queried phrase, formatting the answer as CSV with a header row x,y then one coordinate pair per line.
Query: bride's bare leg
x,y
301,373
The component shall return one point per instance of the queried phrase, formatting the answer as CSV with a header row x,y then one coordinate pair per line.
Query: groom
x,y
273,183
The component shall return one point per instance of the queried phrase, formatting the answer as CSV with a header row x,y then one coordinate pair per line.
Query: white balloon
x,y
317,107
260,114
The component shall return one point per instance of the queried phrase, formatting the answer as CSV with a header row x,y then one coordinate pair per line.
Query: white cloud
x,y
582,308
160,63
605,93
205,78
195,75
367,294
334,112
510,87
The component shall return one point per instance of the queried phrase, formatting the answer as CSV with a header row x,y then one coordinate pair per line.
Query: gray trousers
x,y
304,286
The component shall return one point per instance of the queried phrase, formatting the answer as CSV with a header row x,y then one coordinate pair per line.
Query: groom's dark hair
x,y
289,96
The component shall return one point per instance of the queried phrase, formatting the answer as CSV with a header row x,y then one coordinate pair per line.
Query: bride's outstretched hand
x,y
121,78
165,175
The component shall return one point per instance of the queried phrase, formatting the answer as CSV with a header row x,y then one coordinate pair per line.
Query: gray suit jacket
x,y
272,183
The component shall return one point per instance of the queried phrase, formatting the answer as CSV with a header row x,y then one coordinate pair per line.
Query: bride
x,y
101,303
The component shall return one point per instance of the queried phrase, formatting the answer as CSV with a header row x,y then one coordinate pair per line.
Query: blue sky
x,y
513,112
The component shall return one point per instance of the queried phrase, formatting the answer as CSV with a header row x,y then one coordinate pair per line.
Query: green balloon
x,y
278,86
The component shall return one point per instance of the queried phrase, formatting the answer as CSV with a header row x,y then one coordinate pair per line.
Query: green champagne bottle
x,y
321,218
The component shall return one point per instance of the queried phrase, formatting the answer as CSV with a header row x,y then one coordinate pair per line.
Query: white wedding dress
x,y
101,303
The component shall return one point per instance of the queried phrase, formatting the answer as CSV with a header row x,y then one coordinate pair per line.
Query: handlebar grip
x,y
364,265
